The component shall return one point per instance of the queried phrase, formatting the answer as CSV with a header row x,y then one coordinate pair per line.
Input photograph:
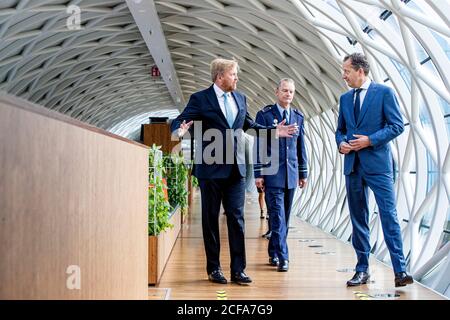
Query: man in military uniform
x,y
280,186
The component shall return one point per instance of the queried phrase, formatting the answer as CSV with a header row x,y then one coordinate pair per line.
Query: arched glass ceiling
x,y
269,39
97,71
100,74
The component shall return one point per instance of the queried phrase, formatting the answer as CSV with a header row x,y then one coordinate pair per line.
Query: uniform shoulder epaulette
x,y
298,112
267,108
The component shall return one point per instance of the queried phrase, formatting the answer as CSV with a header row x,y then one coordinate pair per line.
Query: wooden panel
x,y
168,240
69,196
159,134
190,192
153,260
160,248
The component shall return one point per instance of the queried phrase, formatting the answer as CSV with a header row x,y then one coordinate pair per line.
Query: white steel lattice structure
x,y
96,67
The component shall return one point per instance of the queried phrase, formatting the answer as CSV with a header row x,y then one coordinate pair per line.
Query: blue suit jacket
x,y
379,119
292,153
203,106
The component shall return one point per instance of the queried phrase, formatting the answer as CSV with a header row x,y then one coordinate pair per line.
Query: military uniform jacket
x,y
292,158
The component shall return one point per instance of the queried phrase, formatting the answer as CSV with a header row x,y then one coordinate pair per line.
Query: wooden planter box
x,y
160,247
191,193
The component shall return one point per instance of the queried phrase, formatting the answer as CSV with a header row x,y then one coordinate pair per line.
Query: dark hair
x,y
358,61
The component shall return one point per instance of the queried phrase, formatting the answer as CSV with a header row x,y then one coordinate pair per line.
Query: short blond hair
x,y
219,66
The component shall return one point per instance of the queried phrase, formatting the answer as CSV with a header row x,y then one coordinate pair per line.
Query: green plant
x,y
194,182
177,174
158,205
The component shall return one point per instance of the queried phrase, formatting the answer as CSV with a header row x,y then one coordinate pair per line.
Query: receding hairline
x,y
288,80
358,61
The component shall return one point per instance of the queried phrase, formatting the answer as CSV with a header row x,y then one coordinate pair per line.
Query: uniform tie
x,y
285,117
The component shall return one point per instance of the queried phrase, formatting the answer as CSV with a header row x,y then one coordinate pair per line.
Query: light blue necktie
x,y
228,113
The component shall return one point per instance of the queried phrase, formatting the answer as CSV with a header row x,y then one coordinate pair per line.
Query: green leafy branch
x,y
177,175
158,206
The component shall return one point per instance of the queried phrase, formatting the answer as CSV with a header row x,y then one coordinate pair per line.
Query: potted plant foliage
x,y
158,204
177,176
163,228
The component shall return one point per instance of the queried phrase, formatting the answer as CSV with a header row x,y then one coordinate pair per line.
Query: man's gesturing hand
x,y
286,131
184,127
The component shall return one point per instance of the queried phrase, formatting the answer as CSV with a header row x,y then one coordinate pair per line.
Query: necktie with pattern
x,y
228,112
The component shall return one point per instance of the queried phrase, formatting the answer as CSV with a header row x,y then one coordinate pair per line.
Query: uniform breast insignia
x,y
275,122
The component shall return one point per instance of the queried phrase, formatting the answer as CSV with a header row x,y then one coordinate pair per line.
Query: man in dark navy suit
x,y
291,172
369,118
220,163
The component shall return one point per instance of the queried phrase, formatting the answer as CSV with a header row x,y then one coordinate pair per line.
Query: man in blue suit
x,y
291,172
369,117
220,163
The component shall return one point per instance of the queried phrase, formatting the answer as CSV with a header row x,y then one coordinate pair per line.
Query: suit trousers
x,y
382,186
231,192
279,204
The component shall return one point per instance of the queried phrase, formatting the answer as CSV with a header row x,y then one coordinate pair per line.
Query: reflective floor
x,y
320,265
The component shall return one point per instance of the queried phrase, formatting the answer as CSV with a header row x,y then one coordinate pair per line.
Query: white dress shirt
x,y
362,94
231,102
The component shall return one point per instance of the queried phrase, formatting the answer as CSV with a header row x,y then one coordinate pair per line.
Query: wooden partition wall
x,y
159,134
73,208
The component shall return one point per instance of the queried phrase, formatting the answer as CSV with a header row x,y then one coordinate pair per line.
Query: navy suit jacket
x,y
203,106
379,119
292,163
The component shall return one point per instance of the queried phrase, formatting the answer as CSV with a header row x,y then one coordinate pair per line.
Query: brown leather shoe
x,y
402,279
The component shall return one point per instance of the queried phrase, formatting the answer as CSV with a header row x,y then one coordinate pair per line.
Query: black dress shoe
x,y
283,266
217,277
358,279
402,279
267,235
274,261
240,278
